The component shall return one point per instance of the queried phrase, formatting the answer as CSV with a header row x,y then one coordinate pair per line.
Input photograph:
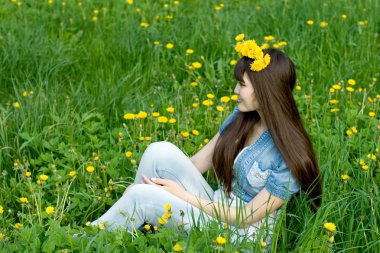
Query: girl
x,y
261,154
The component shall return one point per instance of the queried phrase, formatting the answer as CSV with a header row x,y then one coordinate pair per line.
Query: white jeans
x,y
145,203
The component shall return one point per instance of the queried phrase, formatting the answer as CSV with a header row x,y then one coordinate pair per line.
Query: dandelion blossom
x,y
90,168
169,46
44,177
177,247
329,226
49,210
221,240
23,200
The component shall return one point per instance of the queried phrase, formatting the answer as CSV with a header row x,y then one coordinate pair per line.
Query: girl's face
x,y
246,96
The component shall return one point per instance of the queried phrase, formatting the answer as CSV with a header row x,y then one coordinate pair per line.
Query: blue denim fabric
x,y
260,166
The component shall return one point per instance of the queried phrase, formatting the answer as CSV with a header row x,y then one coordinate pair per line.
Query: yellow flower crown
x,y
250,49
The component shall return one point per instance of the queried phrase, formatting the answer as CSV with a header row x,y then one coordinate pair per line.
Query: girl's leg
x,y
165,160
145,203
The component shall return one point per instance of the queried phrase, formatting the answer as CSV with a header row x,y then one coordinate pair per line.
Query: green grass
x,y
86,75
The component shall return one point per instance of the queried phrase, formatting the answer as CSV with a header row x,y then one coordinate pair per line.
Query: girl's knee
x,y
162,149
138,191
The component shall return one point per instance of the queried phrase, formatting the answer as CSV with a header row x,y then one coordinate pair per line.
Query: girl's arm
x,y
203,158
261,205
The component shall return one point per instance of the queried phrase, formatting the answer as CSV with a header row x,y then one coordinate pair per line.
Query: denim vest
x,y
260,166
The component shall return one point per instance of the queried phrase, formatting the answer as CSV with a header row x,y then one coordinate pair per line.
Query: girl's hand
x,y
166,184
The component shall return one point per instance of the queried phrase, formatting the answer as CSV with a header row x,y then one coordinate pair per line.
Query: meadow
x,y
86,86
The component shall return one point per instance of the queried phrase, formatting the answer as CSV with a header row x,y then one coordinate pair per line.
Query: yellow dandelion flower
x,y
162,119
129,116
195,105
193,84
142,115
90,168
170,109
185,134
50,1
221,240
168,207
344,16
323,24
166,215
372,157
49,210
18,225
1,210
196,65
334,110
25,94
176,2
207,102
94,18
130,2
372,114
177,248
156,43
16,105
138,10
354,130
172,121
333,102
350,89
144,24
331,90
28,174
195,132
24,200
155,114
240,37
189,51
161,221
148,138
349,132
365,167
269,38
102,225
44,177
351,82
234,97
224,99
265,46
263,244
210,96
72,173
310,22
329,226
219,108
298,87
206,140
233,62
217,8
2,236
337,87
96,12
169,46
128,154
147,227
345,177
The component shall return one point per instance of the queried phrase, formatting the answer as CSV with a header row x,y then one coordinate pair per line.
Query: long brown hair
x,y
273,89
